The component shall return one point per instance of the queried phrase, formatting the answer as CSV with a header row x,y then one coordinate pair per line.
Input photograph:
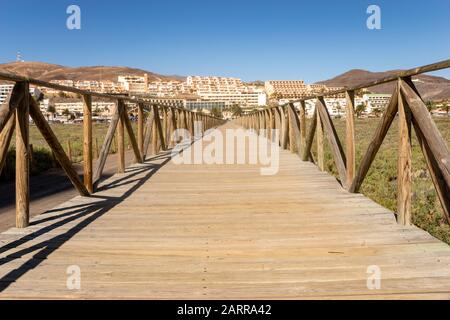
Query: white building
x,y
336,106
5,89
376,102
229,90
104,108
132,83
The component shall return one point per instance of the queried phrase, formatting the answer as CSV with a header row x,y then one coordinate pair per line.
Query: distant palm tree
x,y
360,109
236,110
52,110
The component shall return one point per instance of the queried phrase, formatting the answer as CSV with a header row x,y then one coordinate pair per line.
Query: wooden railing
x,y
412,112
162,120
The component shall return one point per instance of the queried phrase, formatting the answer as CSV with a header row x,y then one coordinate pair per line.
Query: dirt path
x,y
47,190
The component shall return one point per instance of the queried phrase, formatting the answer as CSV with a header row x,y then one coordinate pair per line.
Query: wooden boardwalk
x,y
167,231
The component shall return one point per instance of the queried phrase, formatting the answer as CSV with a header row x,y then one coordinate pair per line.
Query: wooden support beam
x,y
310,137
404,163
87,143
374,146
69,151
284,134
5,138
23,161
319,141
121,139
11,103
302,116
442,188
294,129
333,140
430,132
158,135
148,133
140,132
350,136
131,136
106,146
57,149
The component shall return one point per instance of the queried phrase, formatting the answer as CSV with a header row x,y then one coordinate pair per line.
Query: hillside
x,y
431,87
46,72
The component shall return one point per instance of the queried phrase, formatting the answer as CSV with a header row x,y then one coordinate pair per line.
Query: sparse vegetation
x,y
381,181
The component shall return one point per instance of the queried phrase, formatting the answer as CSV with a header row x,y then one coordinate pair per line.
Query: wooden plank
x,y
404,163
5,139
350,136
87,143
320,142
23,162
110,134
333,139
306,239
374,146
433,137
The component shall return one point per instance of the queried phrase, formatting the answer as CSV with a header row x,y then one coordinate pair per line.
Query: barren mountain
x,y
47,72
430,87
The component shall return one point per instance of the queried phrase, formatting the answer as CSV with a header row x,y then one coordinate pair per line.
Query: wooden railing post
x,y
121,139
141,129
350,136
87,142
284,134
404,162
319,140
23,162
302,116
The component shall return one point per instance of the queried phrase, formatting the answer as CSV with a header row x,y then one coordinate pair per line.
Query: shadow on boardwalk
x,y
86,213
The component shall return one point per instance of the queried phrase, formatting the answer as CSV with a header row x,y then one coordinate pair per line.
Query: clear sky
x,y
250,39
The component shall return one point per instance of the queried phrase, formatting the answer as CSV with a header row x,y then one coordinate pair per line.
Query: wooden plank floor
x,y
167,231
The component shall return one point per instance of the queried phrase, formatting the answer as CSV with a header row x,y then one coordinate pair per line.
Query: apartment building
x,y
295,89
376,102
89,85
5,89
286,89
105,108
229,90
132,83
336,106
166,88
204,105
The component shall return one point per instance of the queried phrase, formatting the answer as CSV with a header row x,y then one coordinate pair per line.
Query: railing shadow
x,y
86,213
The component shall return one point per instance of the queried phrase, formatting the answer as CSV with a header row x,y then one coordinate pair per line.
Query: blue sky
x,y
250,39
